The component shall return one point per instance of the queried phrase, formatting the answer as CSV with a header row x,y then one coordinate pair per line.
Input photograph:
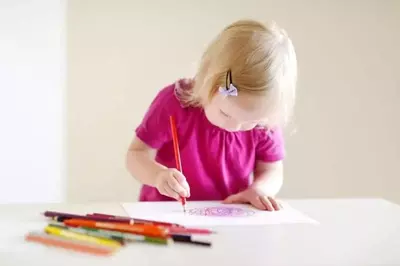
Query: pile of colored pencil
x,y
103,234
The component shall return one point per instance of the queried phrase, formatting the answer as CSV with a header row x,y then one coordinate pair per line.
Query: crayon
x,y
61,242
187,239
131,237
82,237
177,154
132,220
142,229
60,217
173,230
88,232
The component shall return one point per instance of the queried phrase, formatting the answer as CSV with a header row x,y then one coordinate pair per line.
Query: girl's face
x,y
236,113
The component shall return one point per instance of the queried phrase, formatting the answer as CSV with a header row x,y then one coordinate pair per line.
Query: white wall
x,y
347,116
32,81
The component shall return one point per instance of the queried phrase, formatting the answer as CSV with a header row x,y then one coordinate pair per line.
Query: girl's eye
x,y
224,114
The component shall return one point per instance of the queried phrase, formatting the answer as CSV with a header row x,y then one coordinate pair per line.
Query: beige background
x,y
344,142
32,101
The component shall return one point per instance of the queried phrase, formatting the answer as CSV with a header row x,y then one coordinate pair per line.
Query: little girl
x,y
229,120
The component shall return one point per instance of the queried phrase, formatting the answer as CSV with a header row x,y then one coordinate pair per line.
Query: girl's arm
x,y
268,177
141,164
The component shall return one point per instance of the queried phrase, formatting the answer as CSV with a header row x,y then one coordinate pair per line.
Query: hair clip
x,y
230,90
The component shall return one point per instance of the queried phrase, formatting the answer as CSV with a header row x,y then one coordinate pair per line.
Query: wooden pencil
x,y
177,153
65,243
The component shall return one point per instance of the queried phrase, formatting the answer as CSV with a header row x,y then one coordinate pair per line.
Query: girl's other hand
x,y
172,183
255,198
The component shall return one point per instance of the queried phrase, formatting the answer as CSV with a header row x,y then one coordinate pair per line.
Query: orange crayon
x,y
140,229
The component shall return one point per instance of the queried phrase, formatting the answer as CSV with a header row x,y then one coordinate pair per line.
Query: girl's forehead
x,y
245,107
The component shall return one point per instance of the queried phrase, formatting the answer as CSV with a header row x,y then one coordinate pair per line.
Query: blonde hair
x,y
262,61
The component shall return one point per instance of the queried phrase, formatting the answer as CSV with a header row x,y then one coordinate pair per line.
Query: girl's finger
x,y
181,179
279,204
175,186
170,192
257,202
267,204
274,203
236,198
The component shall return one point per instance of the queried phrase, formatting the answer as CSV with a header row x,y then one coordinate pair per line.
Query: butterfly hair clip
x,y
228,90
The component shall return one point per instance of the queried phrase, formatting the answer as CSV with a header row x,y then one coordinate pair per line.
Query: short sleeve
x,y
270,145
154,130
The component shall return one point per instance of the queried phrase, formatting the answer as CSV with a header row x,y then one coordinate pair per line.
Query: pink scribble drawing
x,y
221,212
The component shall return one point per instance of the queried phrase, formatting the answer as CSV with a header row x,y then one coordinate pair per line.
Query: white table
x,y
351,232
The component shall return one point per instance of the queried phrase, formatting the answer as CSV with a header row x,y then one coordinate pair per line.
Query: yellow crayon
x,y
81,237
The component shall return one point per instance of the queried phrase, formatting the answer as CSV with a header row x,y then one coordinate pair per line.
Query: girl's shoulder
x,y
167,103
154,130
262,132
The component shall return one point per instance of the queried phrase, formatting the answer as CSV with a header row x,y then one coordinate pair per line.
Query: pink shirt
x,y
215,162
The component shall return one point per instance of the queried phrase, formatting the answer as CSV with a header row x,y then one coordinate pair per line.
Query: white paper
x,y
213,213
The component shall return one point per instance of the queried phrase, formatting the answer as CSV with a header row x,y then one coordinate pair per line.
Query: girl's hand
x,y
172,183
255,198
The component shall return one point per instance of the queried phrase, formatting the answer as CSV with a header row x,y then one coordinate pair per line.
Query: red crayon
x,y
177,154
132,220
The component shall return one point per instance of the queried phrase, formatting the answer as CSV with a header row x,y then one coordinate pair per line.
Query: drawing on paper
x,y
221,212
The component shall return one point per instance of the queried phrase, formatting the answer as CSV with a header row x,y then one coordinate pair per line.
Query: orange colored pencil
x,y
54,241
177,153
140,229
